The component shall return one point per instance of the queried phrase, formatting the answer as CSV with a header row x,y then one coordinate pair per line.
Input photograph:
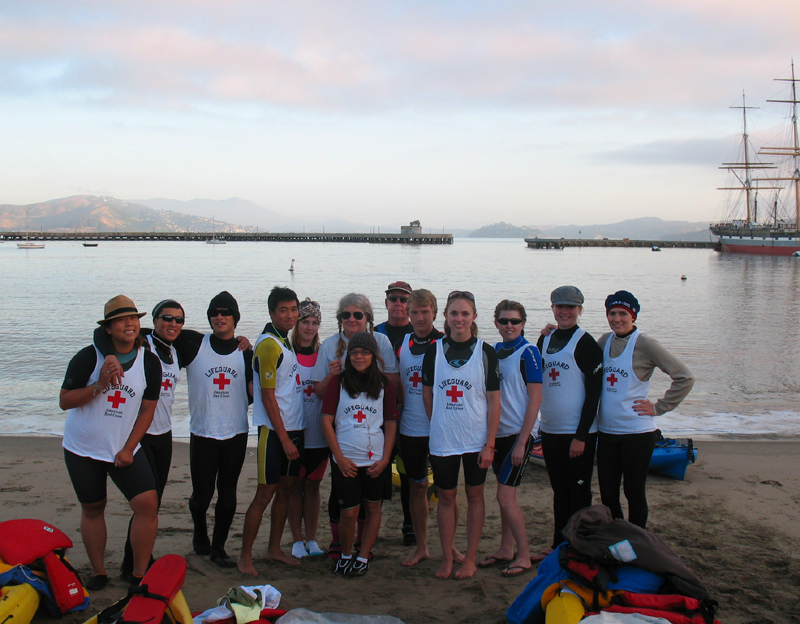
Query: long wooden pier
x,y
561,243
292,237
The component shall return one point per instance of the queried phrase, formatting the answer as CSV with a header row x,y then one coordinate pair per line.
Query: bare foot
x,y
246,566
420,554
457,557
445,571
521,563
281,557
467,570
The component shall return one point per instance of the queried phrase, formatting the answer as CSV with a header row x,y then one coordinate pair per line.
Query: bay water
x,y
734,320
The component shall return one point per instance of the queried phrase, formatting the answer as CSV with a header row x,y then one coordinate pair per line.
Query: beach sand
x,y
734,521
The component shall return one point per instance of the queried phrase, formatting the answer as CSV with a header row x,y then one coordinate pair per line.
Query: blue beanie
x,y
623,299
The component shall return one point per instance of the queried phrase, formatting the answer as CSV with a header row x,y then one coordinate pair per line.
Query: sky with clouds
x,y
457,113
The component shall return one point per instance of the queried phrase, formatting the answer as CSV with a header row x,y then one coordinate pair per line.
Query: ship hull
x,y
765,246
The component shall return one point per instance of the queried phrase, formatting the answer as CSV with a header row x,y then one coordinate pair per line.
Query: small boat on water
x,y
28,244
670,458
656,248
214,240
90,244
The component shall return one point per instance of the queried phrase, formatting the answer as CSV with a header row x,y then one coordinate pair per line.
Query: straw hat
x,y
119,306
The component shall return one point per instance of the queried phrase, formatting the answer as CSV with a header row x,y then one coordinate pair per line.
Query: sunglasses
x,y
168,318
356,315
360,353
506,321
395,298
305,304
461,293
220,311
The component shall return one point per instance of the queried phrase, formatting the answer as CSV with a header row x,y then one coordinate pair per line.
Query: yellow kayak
x,y
397,466
18,604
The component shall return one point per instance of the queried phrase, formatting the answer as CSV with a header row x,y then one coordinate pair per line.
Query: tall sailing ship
x,y
765,214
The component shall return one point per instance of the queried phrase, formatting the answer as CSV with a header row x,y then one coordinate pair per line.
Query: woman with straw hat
x,y
108,416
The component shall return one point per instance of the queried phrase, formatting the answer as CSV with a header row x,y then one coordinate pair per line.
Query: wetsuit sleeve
x,y
649,354
152,375
492,368
102,340
540,343
530,364
80,368
589,358
330,402
266,360
428,365
187,344
390,411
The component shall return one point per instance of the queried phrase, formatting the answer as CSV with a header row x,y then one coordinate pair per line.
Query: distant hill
x,y
505,230
647,228
91,213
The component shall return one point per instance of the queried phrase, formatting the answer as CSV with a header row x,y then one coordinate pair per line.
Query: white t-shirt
x,y
217,393
327,354
459,421
100,428
170,376
357,424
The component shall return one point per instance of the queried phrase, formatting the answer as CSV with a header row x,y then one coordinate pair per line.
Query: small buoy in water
x,y
683,278
291,268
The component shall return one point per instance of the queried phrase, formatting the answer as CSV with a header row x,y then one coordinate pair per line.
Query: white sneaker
x,y
299,550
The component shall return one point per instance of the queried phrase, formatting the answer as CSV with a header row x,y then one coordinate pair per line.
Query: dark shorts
x,y
506,472
89,477
350,491
414,452
315,461
272,461
446,469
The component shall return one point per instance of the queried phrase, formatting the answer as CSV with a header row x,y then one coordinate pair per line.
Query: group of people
x,y
443,400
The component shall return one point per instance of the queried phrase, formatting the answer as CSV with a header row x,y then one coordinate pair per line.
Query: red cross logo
x,y
612,379
415,379
553,374
359,416
454,393
166,384
309,390
221,381
116,399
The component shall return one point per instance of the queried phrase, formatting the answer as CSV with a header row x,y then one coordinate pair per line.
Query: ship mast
x,y
747,166
792,150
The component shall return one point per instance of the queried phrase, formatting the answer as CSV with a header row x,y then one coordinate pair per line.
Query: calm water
x,y
735,321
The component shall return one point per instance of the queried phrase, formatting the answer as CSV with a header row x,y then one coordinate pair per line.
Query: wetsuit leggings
x,y
158,450
215,464
625,458
570,479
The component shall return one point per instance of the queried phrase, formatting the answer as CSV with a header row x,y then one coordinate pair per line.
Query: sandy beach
x,y
733,521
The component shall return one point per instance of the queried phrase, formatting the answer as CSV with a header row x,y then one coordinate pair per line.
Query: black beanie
x,y
224,300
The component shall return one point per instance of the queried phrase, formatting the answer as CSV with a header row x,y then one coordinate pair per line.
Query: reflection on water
x,y
735,320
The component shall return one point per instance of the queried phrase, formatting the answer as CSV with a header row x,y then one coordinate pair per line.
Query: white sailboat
x,y
214,240
28,244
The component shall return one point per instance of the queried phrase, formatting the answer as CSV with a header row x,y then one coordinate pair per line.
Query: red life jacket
x,y
41,546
